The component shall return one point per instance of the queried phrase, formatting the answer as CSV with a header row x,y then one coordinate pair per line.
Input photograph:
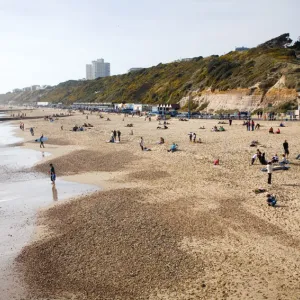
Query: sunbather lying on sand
x,y
284,161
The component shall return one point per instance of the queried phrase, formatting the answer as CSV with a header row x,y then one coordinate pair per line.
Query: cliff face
x,y
266,75
242,99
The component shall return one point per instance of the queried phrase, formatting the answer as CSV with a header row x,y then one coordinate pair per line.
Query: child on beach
x,y
142,145
271,200
270,171
173,148
253,158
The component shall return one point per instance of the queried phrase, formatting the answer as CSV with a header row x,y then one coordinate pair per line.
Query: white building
x,y
42,103
98,69
89,72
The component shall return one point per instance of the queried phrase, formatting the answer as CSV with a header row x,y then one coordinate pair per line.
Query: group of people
x,y
275,159
142,145
115,136
250,125
216,129
164,125
77,128
19,115
271,130
193,138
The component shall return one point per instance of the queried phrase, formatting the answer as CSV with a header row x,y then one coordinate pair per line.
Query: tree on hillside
x,y
282,41
296,45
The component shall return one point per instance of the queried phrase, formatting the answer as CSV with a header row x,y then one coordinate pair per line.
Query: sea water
x,y
22,194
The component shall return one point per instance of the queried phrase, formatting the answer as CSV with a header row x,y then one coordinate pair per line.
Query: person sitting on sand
x,y
263,160
199,141
215,129
254,144
278,131
275,158
221,128
257,126
271,200
161,141
261,157
216,162
202,127
108,119
173,148
271,130
281,125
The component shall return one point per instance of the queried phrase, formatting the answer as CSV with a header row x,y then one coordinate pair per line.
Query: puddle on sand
x,y
22,194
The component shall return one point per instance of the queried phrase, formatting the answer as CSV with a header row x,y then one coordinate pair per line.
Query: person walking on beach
x,y
230,122
270,171
142,143
115,135
194,137
286,149
190,136
119,135
252,125
52,174
31,131
42,141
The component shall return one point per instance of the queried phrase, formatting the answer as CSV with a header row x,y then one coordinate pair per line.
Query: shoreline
x,y
19,212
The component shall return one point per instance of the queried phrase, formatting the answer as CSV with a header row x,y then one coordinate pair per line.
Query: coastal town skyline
x,y
55,42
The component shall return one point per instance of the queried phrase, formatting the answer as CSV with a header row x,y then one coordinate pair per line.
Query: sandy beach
x,y
165,225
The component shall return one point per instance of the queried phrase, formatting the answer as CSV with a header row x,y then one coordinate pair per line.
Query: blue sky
x,y
47,42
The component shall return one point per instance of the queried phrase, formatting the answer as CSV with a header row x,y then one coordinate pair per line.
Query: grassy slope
x,y
168,83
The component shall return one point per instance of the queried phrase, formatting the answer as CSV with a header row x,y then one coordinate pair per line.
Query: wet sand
x,y
167,225
22,194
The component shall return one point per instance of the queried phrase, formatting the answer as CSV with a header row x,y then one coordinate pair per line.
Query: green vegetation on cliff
x,y
168,83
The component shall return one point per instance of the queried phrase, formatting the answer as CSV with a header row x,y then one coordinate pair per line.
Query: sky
x,y
46,42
